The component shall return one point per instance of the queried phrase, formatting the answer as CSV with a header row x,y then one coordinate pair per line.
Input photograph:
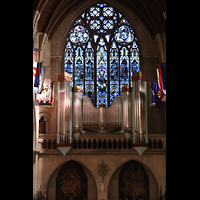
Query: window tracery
x,y
101,53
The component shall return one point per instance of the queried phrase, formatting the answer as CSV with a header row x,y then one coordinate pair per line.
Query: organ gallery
x,y
99,100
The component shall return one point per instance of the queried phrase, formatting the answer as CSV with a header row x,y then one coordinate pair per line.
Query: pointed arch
x,y
106,53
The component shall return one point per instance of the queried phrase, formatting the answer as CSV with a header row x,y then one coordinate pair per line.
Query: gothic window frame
x,y
101,25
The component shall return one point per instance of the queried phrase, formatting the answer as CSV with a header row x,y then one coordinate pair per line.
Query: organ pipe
x,y
126,109
139,108
102,116
77,110
64,119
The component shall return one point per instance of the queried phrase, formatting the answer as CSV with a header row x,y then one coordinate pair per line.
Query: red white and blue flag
x,y
161,76
46,97
34,54
38,77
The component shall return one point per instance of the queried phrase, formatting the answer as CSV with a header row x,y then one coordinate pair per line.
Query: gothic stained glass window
x,y
68,59
89,72
114,72
101,77
102,53
79,63
124,67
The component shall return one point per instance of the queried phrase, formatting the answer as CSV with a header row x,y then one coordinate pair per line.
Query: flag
x,y
38,77
160,83
161,77
34,54
153,92
155,97
46,97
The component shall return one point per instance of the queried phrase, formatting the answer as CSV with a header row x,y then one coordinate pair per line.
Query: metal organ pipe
x,y
139,108
126,111
64,121
77,109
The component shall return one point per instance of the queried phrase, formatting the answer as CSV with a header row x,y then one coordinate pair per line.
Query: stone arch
x,y
51,184
143,35
113,187
46,116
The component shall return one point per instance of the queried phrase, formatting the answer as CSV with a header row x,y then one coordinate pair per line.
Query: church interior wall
x,y
150,59
47,165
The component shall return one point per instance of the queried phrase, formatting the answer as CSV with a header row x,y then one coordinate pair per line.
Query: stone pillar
x,y
64,110
77,111
139,110
126,123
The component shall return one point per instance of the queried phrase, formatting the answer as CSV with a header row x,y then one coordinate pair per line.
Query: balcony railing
x,y
155,142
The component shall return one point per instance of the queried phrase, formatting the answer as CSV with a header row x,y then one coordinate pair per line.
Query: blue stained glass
x,y
124,67
79,35
79,63
123,21
114,73
95,38
95,11
134,65
108,11
79,57
89,72
124,34
107,37
102,43
68,62
108,24
101,18
79,21
95,24
101,77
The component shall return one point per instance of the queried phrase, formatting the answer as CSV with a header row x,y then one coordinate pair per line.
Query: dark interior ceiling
x,y
53,12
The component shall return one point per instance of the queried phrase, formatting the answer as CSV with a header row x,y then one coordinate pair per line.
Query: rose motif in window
x,y
79,35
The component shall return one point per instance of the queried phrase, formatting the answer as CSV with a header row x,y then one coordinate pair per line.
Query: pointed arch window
x,y
101,53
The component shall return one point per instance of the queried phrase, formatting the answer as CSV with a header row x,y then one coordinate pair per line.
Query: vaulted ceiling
x,y
53,12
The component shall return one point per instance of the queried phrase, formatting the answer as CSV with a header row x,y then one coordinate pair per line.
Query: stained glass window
x,y
114,72
89,72
79,63
124,67
102,53
101,77
68,59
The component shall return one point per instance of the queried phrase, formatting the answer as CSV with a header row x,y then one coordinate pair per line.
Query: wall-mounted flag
x,y
155,94
161,77
38,77
34,54
46,97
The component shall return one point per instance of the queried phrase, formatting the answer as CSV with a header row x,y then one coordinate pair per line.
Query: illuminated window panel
x,y
86,53
124,68
108,11
134,62
68,59
101,77
89,72
114,72
79,63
